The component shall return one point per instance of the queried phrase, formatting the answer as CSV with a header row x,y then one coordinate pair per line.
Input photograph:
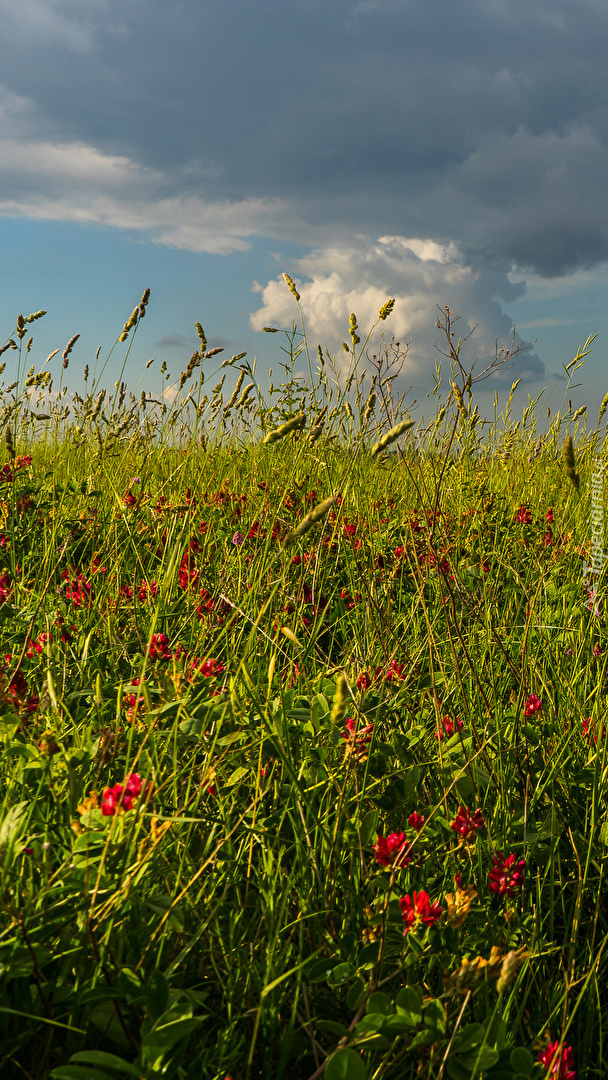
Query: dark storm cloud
x,y
485,123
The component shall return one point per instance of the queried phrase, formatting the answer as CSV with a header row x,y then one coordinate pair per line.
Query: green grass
x,y
280,698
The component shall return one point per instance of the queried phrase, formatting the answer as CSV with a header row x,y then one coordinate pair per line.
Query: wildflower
x,y
459,904
364,681
485,566
392,850
524,515
533,705
357,740
549,515
119,798
559,1063
506,875
159,647
416,821
449,727
466,823
419,911
238,538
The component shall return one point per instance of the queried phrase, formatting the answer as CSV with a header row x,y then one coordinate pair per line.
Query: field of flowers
x,y
303,766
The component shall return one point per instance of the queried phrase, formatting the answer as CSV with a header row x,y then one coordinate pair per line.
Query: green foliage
x,y
328,807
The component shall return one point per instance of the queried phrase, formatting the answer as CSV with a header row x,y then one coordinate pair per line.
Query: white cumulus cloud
x,y
421,275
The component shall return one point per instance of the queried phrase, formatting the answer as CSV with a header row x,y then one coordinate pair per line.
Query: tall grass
x,y
273,694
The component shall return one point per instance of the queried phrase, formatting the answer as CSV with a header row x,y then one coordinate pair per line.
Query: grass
x,y
303,753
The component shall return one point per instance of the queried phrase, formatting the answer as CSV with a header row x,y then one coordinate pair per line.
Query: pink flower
x,y
524,515
416,821
448,728
392,850
549,515
466,823
506,875
357,739
159,647
419,911
533,705
559,1063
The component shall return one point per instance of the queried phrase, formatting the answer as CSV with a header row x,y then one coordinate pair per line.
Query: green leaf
x,y
468,1036
163,1037
434,1017
346,1065
321,969
380,1003
409,1004
78,1072
13,824
521,1060
109,1061
368,827
368,955
341,974
481,1059
157,995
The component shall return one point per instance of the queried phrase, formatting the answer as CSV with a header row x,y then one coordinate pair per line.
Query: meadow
x,y
303,767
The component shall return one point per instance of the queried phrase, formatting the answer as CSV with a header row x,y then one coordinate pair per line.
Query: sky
x,y
442,154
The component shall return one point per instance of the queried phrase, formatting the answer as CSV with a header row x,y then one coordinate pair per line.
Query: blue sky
x,y
438,153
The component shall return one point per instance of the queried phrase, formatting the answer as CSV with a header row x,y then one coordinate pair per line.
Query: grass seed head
x,y
311,519
340,700
295,424
386,309
291,285
391,435
569,462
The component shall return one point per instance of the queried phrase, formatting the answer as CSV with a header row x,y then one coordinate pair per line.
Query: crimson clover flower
x,y
392,850
559,1063
419,911
524,515
549,515
533,705
466,824
506,875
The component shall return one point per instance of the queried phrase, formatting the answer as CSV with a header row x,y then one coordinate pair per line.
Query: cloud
x,y
78,182
31,22
421,275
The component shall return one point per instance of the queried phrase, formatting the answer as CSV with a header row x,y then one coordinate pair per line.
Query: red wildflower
x,y
159,647
121,798
392,850
533,705
549,515
364,681
506,875
466,823
559,1062
524,515
357,740
419,911
416,821
449,726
